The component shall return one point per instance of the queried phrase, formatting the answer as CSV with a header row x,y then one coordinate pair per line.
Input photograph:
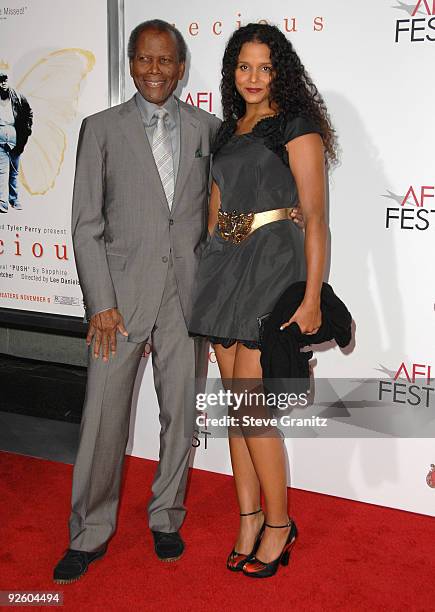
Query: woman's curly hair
x,y
291,88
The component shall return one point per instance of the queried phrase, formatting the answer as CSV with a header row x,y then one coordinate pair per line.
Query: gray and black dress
x,y
239,283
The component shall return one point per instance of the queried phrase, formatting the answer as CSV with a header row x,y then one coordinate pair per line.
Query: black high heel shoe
x,y
254,568
236,560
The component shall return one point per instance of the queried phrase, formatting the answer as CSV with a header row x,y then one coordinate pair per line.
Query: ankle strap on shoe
x,y
289,524
251,513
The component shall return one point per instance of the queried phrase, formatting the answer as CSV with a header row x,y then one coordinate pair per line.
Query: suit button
x,y
165,259
171,221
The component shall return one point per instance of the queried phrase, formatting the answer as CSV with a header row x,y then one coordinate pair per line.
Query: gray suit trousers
x,y
105,426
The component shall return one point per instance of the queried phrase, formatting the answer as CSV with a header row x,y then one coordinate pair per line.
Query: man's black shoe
x,y
74,564
168,546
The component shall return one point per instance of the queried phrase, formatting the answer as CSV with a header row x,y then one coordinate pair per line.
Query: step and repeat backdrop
x,y
53,55
372,62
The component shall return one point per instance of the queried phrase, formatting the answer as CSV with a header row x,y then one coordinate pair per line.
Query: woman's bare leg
x,y
245,478
267,455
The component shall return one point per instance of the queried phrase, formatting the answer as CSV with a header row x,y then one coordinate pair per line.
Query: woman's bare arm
x,y
307,163
213,207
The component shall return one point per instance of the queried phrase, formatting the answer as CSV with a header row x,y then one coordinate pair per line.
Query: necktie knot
x,y
160,114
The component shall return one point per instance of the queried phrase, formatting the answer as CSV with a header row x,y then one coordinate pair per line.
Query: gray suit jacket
x,y
122,228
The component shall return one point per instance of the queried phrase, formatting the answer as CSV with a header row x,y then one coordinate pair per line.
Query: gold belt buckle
x,y
235,226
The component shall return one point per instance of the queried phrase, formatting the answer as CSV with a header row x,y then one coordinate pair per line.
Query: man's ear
x,y
130,63
181,70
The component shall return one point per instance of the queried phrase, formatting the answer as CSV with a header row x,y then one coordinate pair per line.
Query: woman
x,y
271,151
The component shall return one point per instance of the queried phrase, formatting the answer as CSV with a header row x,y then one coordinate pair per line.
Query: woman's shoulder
x,y
299,125
276,131
283,127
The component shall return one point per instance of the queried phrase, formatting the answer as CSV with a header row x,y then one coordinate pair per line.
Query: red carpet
x,y
349,556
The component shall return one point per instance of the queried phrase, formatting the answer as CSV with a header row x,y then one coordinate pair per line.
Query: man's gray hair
x,y
161,26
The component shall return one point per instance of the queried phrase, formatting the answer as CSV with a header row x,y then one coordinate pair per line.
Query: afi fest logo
x,y
412,210
200,99
420,25
404,388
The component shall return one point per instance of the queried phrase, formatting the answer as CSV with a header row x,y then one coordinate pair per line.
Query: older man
x,y
139,223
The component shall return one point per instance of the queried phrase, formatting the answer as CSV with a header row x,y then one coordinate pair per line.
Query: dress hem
x,y
227,342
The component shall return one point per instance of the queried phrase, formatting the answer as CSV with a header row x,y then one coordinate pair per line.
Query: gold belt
x,y
235,227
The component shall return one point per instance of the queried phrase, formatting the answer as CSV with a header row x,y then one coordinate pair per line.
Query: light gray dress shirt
x,y
173,123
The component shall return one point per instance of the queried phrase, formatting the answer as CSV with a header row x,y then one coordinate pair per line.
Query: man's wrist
x,y
105,310
88,315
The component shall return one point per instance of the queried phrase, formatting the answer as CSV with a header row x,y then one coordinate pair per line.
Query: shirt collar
x,y
147,108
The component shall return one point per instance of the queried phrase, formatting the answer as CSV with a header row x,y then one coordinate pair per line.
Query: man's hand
x,y
297,217
103,327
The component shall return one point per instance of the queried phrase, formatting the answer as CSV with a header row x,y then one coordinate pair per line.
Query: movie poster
x,y
53,73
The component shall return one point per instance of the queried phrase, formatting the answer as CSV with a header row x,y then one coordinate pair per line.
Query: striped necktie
x,y
162,151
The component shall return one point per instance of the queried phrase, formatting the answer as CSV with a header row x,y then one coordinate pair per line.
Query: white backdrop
x,y
380,95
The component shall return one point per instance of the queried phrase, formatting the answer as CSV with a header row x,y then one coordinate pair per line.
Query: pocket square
x,y
198,153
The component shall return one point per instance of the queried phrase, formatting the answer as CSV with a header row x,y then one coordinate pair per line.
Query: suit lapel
x,y
133,128
189,126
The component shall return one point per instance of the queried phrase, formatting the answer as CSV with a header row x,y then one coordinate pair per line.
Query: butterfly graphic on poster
x,y
52,88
